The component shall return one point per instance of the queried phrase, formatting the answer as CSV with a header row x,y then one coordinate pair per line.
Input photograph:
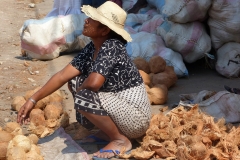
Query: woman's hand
x,y
23,114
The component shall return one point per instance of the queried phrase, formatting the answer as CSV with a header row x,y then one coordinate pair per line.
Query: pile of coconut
x,y
188,134
157,77
14,145
47,115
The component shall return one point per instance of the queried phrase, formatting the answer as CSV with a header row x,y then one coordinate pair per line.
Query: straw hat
x,y
111,15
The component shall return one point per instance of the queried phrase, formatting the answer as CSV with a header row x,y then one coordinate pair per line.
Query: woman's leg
x,y
117,139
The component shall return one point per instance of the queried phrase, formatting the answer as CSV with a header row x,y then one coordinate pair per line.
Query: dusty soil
x,y
18,74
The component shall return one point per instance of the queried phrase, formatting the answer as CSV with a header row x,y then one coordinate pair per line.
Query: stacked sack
x,y
157,76
47,115
14,145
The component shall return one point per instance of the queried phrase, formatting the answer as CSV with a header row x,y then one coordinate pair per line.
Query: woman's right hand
x,y
23,113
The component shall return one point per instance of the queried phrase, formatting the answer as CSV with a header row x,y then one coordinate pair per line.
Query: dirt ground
x,y
18,74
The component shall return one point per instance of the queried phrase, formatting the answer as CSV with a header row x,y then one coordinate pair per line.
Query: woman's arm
x,y
53,84
94,82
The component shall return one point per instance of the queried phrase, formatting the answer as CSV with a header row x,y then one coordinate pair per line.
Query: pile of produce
x,y
47,115
14,145
157,77
188,134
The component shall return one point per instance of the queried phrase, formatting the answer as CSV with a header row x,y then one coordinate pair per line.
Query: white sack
x,y
224,22
190,39
182,11
146,45
45,38
228,60
219,105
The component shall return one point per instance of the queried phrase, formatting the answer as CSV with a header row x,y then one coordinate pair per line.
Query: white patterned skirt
x,y
129,109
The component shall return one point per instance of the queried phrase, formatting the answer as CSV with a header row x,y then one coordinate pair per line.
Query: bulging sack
x,y
46,38
222,104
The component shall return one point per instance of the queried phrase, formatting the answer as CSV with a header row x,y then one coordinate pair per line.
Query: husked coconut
x,y
157,64
22,142
158,94
3,150
168,77
16,153
142,64
1,129
145,77
17,103
64,120
17,131
35,148
52,112
11,126
55,97
34,138
33,155
5,136
37,117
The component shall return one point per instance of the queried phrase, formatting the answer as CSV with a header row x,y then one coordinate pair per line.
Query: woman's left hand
x,y
23,114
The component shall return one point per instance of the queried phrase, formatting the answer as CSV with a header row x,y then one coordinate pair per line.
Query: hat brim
x,y
95,15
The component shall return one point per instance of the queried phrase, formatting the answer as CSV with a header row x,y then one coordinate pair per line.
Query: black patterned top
x,y
112,62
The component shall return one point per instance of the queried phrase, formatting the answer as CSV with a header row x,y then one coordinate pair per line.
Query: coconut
x,y
55,97
34,138
1,129
145,77
5,136
158,94
168,77
17,131
64,120
16,153
52,112
37,117
11,126
33,155
22,142
17,103
157,64
3,150
35,148
142,64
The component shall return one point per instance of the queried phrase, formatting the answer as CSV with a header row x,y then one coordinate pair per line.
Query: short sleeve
x,y
80,62
107,58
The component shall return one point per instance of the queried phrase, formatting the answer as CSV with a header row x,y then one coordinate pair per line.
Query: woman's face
x,y
92,28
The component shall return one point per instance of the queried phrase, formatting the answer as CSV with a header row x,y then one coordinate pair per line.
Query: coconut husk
x,y
55,97
37,117
142,64
11,126
16,153
34,138
157,64
158,94
145,77
52,112
3,150
187,133
17,103
5,136
168,77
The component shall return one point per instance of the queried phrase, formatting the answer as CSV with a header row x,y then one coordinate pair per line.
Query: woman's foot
x,y
114,145
100,135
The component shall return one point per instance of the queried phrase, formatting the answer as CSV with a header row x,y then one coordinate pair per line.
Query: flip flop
x,y
97,141
116,152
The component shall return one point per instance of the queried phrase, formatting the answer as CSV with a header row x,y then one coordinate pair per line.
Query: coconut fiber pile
x,y
47,115
188,134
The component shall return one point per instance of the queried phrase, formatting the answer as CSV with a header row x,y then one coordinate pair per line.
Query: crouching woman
x,y
108,90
